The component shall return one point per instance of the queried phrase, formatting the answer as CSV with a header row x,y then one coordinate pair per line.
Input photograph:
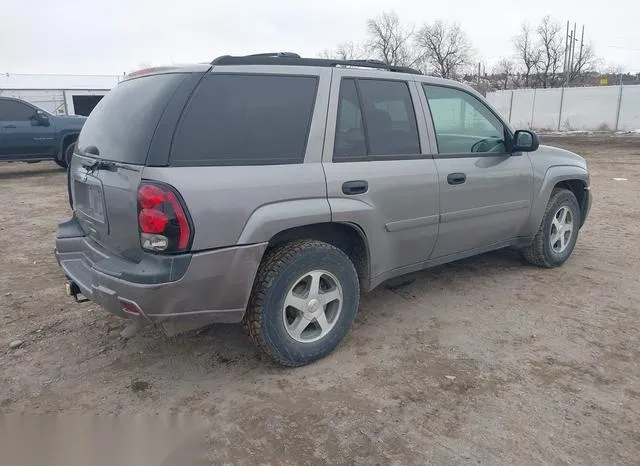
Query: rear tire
x,y
304,300
558,232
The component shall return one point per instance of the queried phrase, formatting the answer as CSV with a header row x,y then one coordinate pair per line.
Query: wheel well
x,y
347,237
68,139
576,187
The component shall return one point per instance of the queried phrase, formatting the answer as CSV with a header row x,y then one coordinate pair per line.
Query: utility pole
x,y
579,62
565,68
573,47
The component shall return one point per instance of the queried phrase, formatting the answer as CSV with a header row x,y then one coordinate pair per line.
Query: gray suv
x,y
271,190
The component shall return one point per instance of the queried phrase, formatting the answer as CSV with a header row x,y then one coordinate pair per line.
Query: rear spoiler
x,y
149,71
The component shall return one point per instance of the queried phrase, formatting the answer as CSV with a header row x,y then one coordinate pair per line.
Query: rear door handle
x,y
355,187
456,178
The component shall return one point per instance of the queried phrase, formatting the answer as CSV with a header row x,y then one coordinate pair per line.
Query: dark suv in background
x,y
273,189
30,134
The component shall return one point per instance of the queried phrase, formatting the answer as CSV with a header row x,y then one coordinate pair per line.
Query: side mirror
x,y
525,141
41,118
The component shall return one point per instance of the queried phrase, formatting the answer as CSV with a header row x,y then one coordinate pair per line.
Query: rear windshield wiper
x,y
100,164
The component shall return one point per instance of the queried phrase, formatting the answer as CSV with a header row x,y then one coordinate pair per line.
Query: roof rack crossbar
x,y
293,59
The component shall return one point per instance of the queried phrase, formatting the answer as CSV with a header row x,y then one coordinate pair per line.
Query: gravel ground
x,y
486,360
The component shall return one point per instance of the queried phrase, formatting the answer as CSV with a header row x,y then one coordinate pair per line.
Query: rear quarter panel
x,y
244,205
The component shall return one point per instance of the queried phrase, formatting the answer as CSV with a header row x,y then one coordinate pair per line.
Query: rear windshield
x,y
121,126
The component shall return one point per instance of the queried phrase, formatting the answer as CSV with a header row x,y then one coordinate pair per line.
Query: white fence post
x,y
619,105
560,111
533,108
511,105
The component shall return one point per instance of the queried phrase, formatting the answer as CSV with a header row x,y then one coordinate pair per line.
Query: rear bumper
x,y
214,287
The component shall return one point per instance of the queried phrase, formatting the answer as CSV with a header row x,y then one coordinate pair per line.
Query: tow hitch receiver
x,y
74,291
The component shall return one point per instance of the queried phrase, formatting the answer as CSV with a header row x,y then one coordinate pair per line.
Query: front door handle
x,y
10,126
355,187
456,178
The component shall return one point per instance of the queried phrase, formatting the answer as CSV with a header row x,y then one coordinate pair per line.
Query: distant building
x,y
56,93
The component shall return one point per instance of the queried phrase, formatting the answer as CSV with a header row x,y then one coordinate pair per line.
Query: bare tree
x,y
504,73
529,54
584,62
345,51
445,48
390,40
551,45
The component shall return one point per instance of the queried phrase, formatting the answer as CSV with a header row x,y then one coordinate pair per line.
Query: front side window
x,y
462,123
238,119
12,110
375,118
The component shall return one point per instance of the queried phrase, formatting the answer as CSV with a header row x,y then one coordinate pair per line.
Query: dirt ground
x,y
484,361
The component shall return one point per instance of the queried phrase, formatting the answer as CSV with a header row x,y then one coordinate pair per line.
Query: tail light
x,y
163,220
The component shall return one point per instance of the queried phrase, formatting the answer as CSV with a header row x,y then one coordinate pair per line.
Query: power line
x,y
621,48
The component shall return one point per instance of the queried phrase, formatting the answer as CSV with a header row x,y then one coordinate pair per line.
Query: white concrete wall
x,y
57,102
501,100
590,108
50,100
629,109
546,108
54,93
57,81
522,108
572,109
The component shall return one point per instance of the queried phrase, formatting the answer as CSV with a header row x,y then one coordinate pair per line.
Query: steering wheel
x,y
487,145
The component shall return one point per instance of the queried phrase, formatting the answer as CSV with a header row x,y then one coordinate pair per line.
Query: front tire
x,y
558,233
304,300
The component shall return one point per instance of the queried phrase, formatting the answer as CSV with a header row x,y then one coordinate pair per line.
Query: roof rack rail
x,y
275,54
293,59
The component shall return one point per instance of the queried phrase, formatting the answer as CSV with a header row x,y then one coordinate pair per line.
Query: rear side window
x,y
11,110
350,138
122,125
375,118
246,119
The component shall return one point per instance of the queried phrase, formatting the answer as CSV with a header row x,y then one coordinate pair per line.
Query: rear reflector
x,y
129,307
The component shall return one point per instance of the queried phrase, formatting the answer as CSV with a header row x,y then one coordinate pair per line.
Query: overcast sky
x,y
116,36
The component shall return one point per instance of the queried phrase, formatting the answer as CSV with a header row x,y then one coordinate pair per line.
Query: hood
x,y
560,156
71,121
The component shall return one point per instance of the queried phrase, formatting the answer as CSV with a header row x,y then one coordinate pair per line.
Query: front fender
x,y
543,188
62,135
